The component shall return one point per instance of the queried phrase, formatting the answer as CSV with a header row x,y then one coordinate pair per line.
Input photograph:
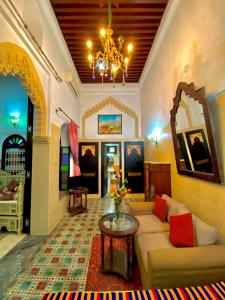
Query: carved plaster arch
x,y
115,103
14,61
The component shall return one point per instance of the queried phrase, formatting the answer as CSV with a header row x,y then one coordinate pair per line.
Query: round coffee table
x,y
118,261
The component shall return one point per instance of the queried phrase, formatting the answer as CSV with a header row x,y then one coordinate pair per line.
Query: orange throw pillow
x,y
159,208
182,230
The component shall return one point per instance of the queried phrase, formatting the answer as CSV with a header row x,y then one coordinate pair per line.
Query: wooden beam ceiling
x,y
137,20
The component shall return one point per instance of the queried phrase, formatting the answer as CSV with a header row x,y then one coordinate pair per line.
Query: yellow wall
x,y
195,38
57,207
46,207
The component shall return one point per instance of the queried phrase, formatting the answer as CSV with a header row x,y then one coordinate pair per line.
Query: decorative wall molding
x,y
104,103
165,24
14,61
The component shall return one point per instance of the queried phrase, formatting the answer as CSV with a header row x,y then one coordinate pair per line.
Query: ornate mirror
x,y
192,134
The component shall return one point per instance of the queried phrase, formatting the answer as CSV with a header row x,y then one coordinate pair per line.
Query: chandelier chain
x,y
110,60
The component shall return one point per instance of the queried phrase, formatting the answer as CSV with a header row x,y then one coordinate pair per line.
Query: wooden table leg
x,y
111,252
128,258
103,250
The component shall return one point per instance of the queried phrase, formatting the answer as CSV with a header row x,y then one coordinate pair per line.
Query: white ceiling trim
x,y
164,25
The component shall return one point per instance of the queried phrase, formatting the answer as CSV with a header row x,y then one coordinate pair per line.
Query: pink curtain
x,y
74,147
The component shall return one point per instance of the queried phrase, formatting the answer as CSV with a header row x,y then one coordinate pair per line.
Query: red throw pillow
x,y
182,230
159,208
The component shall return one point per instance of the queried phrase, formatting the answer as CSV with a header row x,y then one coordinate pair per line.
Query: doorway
x,y
111,165
16,131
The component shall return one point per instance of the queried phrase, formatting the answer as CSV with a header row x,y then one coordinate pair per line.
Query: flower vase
x,y
117,210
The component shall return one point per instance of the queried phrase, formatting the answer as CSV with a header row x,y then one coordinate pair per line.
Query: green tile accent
x,y
75,242
64,186
48,272
26,284
68,235
68,260
65,150
42,260
60,250
84,250
77,272
57,286
64,168
53,242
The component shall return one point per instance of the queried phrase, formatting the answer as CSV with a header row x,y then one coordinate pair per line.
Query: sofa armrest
x,y
141,208
179,267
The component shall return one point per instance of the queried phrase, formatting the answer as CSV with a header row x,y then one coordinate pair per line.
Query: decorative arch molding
x,y
105,103
14,61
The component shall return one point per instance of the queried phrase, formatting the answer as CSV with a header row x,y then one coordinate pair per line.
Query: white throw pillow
x,y
182,210
172,206
204,234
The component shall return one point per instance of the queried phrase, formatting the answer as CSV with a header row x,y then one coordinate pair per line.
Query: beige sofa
x,y
164,266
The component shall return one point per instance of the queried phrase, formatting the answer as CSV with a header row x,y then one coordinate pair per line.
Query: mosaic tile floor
x,y
62,263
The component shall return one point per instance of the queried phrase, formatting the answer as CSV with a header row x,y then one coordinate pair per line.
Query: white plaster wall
x,y
92,94
39,17
192,49
52,44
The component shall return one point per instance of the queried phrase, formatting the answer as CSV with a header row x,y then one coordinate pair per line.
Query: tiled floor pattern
x,y
62,263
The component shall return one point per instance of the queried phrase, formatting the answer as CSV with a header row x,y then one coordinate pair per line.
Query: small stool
x,y
78,200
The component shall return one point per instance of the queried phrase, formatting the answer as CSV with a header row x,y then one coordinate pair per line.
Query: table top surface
x,y
126,225
79,189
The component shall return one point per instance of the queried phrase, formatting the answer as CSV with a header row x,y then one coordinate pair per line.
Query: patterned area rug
x,y
99,281
207,292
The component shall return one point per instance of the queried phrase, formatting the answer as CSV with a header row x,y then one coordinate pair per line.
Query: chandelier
x,y
112,58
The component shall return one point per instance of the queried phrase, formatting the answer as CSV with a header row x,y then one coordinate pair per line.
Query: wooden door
x,y
88,161
134,166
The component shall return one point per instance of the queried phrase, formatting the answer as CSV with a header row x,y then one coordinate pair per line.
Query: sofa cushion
x,y
151,224
182,230
148,242
12,185
172,206
6,196
204,233
159,208
141,208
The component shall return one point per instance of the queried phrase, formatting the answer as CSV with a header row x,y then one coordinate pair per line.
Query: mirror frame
x,y
197,95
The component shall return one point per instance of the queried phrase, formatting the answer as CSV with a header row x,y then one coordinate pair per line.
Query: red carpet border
x,y
207,292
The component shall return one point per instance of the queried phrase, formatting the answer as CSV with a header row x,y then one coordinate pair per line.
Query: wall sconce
x,y
154,137
14,120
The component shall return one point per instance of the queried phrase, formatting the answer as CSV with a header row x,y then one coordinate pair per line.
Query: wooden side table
x,y
78,200
118,261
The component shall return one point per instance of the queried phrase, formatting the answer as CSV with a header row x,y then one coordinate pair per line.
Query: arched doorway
x,y
14,61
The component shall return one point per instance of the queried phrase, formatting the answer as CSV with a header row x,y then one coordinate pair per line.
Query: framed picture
x,y
111,149
131,149
199,150
109,124
88,150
